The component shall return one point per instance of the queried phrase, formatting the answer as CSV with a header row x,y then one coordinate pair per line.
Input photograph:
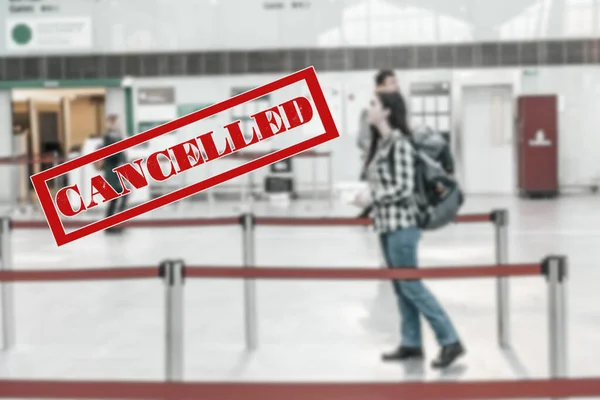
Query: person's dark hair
x,y
383,75
397,120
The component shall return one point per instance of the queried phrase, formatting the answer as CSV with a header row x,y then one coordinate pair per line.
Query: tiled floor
x,y
319,331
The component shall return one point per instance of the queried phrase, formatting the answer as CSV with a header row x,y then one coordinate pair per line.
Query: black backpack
x,y
437,194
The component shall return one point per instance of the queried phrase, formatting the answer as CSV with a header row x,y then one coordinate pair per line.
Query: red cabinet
x,y
537,152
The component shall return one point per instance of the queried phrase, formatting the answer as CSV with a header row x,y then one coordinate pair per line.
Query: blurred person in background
x,y
394,213
385,82
113,135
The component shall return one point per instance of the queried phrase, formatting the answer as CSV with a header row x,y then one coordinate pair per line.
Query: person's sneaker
x,y
448,354
403,353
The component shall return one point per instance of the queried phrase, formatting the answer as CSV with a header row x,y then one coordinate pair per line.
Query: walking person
x,y
385,82
113,135
394,213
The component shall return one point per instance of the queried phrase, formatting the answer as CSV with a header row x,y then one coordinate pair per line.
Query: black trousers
x,y
116,206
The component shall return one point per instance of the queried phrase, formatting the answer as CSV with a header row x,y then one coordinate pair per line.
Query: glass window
x,y
528,24
417,121
355,32
430,121
332,37
430,106
416,104
579,17
443,104
426,22
356,11
384,22
451,30
382,31
408,31
443,123
380,9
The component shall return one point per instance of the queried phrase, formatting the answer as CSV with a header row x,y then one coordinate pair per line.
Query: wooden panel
x,y
83,120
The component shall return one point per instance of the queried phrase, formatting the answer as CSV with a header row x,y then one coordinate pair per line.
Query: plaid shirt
x,y
393,202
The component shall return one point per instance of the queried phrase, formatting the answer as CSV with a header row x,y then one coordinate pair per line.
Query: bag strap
x,y
391,159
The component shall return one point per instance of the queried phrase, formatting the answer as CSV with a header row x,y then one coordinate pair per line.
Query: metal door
x,y
487,140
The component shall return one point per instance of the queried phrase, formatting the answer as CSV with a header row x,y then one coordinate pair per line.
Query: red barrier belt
x,y
252,155
217,221
475,390
314,221
77,274
273,273
363,273
341,221
468,218
148,223
51,159
24,160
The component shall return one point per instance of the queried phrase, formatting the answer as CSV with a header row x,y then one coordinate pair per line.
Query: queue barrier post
x,y
330,179
172,272
15,184
248,222
555,269
6,295
500,220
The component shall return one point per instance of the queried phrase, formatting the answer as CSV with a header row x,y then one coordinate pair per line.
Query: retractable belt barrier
x,y
44,158
248,223
147,223
311,273
475,390
249,273
498,217
175,272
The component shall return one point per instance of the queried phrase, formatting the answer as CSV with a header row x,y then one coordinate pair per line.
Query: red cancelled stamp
x,y
279,120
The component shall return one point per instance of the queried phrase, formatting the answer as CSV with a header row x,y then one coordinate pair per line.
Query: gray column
x,y
8,193
7,309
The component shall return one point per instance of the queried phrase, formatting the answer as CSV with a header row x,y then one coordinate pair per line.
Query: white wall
x,y
115,103
578,87
167,25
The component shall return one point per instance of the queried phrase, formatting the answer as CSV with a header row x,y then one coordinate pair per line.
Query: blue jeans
x,y
414,299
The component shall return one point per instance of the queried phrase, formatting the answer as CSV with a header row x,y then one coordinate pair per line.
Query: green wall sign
x,y
143,126
185,109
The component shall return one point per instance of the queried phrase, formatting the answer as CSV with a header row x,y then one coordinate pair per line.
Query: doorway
x,y
487,140
53,123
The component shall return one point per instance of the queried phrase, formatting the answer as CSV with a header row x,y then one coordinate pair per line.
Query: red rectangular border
x,y
62,237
